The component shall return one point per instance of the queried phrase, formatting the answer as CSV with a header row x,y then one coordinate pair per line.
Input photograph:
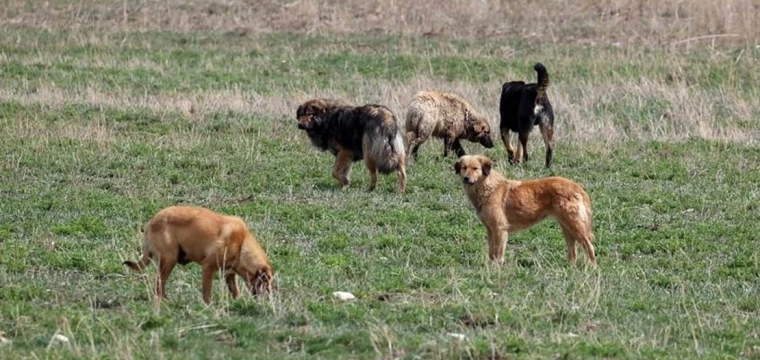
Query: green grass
x,y
675,222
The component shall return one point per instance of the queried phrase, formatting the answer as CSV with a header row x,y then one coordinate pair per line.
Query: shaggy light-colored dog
x,y
184,234
445,116
505,205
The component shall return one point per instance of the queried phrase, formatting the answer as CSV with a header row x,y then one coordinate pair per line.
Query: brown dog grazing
x,y
184,234
352,133
509,205
445,116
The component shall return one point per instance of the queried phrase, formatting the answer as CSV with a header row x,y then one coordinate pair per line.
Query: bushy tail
x,y
542,81
415,115
139,266
387,147
588,214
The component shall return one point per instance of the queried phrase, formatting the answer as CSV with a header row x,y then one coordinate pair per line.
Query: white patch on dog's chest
x,y
537,110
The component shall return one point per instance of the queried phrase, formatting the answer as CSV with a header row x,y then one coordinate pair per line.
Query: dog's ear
x,y
458,166
319,107
486,164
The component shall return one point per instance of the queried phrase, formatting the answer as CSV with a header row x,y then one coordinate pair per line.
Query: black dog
x,y
523,106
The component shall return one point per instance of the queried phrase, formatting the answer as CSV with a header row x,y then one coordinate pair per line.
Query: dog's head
x,y
259,281
480,129
310,113
473,168
252,264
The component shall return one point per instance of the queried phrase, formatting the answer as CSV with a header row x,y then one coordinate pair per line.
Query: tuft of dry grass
x,y
678,22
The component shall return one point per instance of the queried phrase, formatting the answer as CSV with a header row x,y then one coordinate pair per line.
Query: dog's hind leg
x,y
522,151
547,131
579,232
165,265
402,174
414,144
342,167
417,138
372,168
570,244
508,145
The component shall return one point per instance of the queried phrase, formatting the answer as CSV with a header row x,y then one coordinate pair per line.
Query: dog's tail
x,y
415,115
585,212
542,81
140,265
386,145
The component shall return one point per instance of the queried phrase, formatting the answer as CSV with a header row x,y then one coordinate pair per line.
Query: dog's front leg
x,y
497,241
232,285
448,143
208,277
458,149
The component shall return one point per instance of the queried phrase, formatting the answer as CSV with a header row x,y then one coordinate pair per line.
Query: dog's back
x,y
510,104
524,105
435,110
188,231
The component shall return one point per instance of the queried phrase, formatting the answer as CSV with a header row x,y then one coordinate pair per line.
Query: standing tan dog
x,y
184,234
509,205
445,116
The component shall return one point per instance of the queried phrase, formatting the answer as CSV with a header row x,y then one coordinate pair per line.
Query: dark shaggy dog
x,y
368,132
523,106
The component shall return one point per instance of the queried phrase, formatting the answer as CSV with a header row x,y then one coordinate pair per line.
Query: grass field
x,y
103,129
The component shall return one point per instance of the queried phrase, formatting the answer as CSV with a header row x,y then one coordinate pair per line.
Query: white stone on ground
x,y
345,296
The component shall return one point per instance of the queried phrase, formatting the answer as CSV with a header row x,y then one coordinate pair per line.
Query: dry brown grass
x,y
651,22
681,111
670,103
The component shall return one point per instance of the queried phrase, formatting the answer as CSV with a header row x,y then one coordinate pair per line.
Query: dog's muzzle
x,y
487,142
467,181
301,126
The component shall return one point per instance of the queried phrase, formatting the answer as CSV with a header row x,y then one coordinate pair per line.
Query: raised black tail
x,y
542,81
